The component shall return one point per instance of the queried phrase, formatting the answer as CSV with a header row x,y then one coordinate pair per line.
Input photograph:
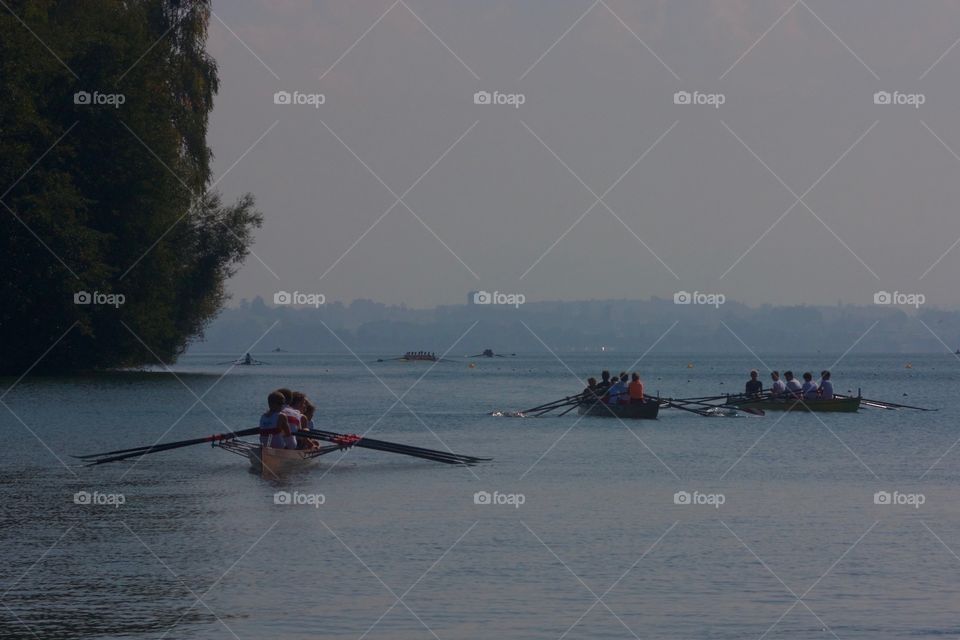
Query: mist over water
x,y
598,516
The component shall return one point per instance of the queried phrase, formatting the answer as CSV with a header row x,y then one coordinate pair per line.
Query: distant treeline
x,y
113,251
630,326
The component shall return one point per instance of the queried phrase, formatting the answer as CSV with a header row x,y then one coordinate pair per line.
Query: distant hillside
x,y
618,325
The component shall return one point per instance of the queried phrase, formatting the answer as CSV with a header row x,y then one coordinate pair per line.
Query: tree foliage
x,y
109,198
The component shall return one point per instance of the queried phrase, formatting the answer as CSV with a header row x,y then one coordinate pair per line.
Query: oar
x,y
867,403
685,403
699,412
572,403
353,440
123,454
391,447
884,404
581,399
574,406
556,403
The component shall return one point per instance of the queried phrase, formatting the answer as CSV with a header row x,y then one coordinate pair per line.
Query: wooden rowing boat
x,y
638,411
273,463
836,405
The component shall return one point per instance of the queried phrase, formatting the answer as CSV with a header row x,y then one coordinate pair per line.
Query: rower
x,y
635,389
826,387
295,417
308,411
754,387
274,428
247,359
604,383
778,388
809,388
618,390
591,391
792,385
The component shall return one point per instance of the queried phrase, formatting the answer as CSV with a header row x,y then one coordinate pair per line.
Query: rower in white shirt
x,y
778,388
793,386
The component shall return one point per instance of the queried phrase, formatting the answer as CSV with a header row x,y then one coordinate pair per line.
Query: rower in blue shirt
x,y
826,387
618,391
809,388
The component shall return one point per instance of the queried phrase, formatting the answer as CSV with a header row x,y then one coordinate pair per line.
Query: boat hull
x,y
273,463
638,411
836,405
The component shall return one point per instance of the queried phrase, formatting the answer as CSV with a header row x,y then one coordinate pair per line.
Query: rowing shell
x,y
637,411
841,405
273,463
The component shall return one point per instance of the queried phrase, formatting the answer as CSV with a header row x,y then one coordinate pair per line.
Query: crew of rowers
x,y
790,387
622,389
420,355
287,413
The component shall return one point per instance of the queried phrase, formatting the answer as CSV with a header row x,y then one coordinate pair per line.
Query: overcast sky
x,y
798,188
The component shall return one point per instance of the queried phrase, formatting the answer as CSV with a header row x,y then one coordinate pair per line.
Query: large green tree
x,y
109,197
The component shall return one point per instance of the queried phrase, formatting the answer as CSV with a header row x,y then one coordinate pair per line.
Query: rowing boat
x,y
273,463
637,411
838,405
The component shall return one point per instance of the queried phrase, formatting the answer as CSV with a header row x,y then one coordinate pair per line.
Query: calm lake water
x,y
399,549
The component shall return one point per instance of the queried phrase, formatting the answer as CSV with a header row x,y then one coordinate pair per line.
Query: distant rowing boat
x,y
637,411
836,405
414,356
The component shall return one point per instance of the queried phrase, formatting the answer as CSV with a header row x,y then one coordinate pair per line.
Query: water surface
x,y
399,549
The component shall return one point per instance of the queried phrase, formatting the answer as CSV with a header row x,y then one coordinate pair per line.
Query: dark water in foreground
x,y
399,549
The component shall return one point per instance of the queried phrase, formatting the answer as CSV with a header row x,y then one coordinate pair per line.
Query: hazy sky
x,y
704,191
